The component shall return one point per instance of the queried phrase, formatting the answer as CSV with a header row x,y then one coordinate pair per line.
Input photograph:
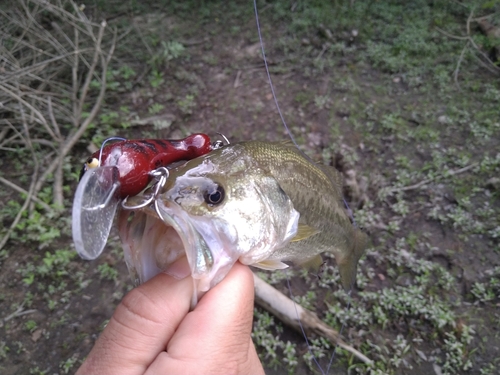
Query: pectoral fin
x,y
304,231
270,265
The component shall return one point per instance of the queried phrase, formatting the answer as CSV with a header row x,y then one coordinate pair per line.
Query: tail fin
x,y
349,264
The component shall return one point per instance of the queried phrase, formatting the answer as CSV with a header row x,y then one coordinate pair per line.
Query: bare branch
x,y
429,180
19,189
459,62
90,73
22,102
487,62
41,69
95,109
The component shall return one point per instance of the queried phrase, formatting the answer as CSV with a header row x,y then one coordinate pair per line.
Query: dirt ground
x,y
435,248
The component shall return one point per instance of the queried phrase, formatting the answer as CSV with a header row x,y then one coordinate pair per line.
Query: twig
x,y
29,106
236,83
451,35
459,62
141,37
29,197
53,119
76,136
40,65
90,73
492,67
3,133
291,313
428,180
19,189
468,20
19,312
74,78
70,141
488,61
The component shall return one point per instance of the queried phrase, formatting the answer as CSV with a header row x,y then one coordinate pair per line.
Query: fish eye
x,y
216,197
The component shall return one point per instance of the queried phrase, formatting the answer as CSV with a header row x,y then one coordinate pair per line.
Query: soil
x,y
223,82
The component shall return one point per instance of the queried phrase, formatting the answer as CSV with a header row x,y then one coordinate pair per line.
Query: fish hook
x,y
218,143
161,174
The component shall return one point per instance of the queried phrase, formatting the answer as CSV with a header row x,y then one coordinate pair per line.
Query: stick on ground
x,y
290,312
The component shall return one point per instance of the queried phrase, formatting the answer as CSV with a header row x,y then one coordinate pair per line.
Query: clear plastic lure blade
x,y
94,209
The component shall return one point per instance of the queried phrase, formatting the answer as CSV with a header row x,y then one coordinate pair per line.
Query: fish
x,y
260,203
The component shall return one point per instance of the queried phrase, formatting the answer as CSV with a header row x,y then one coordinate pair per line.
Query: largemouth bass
x,y
257,202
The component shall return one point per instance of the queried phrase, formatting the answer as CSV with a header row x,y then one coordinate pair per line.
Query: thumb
x,y
216,335
140,328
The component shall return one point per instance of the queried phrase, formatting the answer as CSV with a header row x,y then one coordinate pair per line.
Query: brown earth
x,y
225,89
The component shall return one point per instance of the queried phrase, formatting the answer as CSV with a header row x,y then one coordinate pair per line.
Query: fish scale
x,y
272,204
315,191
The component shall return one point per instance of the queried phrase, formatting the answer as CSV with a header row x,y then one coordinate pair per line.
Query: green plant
x,y
107,272
187,104
36,371
156,79
4,350
30,326
155,108
68,364
166,52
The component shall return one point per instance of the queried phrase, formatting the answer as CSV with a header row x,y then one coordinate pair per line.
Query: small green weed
x,y
4,350
107,272
68,364
156,79
155,108
30,326
187,104
167,52
36,371
274,349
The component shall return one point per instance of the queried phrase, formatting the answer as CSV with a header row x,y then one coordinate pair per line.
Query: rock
x,y
444,120
36,335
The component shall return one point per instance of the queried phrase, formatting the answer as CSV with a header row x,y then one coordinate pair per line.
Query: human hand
x,y
153,332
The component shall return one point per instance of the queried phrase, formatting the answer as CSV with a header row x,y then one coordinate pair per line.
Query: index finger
x,y
141,327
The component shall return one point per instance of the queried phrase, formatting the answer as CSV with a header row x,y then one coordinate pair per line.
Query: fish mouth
x,y
164,239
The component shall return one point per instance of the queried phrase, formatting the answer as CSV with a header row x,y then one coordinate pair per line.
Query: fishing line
x,y
277,104
347,206
269,76
300,324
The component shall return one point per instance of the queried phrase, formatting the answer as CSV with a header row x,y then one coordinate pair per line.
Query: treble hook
x,y
161,174
218,144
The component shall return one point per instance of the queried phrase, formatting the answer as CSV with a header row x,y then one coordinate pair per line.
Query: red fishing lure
x,y
135,159
119,170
